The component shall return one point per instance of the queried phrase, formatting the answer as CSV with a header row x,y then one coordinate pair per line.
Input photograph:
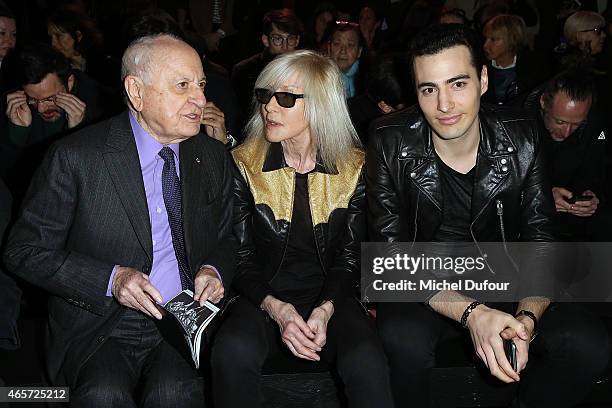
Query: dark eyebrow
x,y
448,81
457,78
424,84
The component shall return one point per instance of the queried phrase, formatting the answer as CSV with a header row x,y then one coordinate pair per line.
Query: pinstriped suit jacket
x,y
85,212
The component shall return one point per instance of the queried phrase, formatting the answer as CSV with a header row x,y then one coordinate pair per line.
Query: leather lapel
x,y
123,165
424,173
494,164
488,179
426,177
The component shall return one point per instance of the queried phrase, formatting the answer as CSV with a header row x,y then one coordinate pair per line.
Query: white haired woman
x,y
585,30
299,219
585,34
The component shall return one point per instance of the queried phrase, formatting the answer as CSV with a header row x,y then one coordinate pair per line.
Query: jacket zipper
x,y
500,215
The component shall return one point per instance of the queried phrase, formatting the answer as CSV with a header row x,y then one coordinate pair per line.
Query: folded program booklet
x,y
193,319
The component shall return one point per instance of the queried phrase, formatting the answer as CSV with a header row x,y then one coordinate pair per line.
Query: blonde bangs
x,y
325,106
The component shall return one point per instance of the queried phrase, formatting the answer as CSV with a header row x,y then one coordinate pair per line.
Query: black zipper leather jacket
x,y
263,205
511,200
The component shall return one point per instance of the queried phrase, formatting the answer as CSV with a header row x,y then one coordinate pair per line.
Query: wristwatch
x,y
231,141
532,317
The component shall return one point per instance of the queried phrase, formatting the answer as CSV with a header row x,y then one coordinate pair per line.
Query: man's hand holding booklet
x,y
193,319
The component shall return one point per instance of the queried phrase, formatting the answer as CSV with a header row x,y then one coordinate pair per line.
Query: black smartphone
x,y
510,349
579,197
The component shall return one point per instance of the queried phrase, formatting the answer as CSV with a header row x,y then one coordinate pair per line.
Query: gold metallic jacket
x,y
263,205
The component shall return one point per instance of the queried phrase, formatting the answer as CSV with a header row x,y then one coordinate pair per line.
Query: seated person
x,y
54,100
585,34
281,33
299,219
8,32
221,114
76,36
120,218
8,39
513,69
573,135
54,97
346,44
451,170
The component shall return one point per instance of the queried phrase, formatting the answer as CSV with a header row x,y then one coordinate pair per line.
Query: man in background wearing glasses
x,y
54,97
54,100
280,34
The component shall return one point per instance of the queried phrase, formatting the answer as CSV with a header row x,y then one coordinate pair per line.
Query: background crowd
x,y
526,43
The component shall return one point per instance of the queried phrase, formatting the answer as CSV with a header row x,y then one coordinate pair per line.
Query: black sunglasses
x,y
284,99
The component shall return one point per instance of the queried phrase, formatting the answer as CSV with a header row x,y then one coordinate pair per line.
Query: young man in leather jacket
x,y
451,170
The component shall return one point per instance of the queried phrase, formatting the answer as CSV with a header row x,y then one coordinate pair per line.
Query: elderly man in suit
x,y
120,218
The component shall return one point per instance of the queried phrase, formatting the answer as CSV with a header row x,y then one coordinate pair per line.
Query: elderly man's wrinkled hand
x,y
207,286
133,289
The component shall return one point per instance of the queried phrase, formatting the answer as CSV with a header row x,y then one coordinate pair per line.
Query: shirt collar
x,y
148,147
275,160
494,64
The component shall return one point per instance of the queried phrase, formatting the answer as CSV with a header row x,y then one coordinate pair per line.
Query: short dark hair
x,y
577,83
39,60
284,19
439,37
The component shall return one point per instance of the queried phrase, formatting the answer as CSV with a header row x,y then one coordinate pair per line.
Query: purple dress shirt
x,y
164,271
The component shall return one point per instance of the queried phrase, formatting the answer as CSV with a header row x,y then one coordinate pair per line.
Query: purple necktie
x,y
171,190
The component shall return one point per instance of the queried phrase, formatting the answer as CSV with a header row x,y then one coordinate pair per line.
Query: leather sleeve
x,y
537,204
222,256
538,272
249,281
382,199
343,276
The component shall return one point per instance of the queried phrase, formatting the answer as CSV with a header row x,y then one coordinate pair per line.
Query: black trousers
x,y
247,337
137,367
570,351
